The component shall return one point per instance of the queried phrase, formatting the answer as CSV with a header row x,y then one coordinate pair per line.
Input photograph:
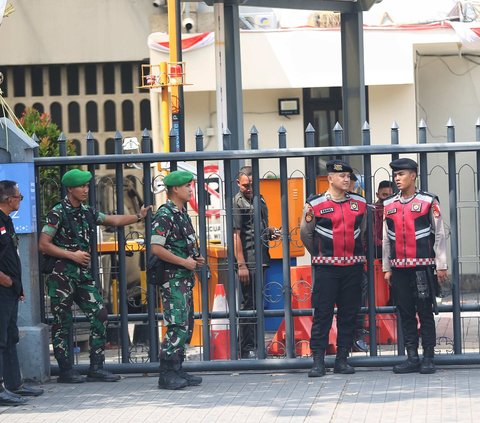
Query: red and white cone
x,y
220,328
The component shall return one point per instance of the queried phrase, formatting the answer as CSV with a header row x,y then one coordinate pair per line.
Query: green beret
x,y
177,178
76,178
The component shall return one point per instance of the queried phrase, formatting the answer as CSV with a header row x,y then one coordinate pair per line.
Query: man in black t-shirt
x,y
244,238
11,291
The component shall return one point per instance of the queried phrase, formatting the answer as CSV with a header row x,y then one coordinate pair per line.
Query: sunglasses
x,y
20,197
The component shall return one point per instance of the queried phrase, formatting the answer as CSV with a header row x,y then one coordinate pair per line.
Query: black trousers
x,y
340,285
248,325
9,365
404,287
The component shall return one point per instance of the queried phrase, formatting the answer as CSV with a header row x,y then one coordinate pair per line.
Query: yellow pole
x,y
173,45
165,107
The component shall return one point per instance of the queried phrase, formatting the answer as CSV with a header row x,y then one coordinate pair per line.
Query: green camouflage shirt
x,y
59,220
173,230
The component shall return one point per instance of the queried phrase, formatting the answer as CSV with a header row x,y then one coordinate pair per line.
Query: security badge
x,y
416,207
354,206
309,215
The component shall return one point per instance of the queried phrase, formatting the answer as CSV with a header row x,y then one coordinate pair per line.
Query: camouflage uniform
x,y
69,282
173,230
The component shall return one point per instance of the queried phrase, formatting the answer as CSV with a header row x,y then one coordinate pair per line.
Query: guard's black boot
x,y
360,345
427,366
96,372
68,374
411,364
318,369
191,379
169,378
341,366
8,398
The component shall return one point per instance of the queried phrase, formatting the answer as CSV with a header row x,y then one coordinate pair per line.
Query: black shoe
x,y
411,365
359,345
427,366
70,376
341,365
27,391
249,355
171,380
8,398
191,379
99,374
318,368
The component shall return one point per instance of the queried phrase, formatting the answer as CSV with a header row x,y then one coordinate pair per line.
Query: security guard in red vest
x,y
413,246
332,230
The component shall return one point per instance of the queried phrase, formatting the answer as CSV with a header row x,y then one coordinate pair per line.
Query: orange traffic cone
x,y
220,328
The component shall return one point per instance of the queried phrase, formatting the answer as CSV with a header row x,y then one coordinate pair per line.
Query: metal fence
x,y
459,161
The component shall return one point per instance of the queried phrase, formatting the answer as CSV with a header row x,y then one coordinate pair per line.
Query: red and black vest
x,y
410,230
337,238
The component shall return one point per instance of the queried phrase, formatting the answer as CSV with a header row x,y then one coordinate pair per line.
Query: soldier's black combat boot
x,y
68,374
411,364
191,379
169,378
427,366
318,368
96,372
341,366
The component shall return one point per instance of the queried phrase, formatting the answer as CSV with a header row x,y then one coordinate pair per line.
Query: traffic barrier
x,y
220,328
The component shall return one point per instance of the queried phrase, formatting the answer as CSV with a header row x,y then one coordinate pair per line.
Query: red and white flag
x,y
159,41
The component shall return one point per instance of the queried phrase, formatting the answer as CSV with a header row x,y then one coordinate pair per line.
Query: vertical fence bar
x,y
372,314
260,238
202,233
172,139
310,178
121,268
477,138
231,297
92,200
394,138
338,138
422,139
287,288
452,187
62,152
151,289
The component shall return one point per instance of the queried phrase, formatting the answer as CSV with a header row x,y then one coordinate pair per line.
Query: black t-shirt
x,y
9,258
243,221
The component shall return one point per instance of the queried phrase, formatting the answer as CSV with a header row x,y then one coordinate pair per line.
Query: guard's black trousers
x,y
404,287
340,285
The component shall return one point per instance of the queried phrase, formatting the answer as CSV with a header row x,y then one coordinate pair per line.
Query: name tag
x,y
325,211
391,211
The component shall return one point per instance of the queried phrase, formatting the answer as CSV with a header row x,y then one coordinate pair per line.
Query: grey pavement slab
x,y
370,395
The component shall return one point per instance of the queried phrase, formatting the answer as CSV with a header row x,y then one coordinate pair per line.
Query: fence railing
x,y
452,152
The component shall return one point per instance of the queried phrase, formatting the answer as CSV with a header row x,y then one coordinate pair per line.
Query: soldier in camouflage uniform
x,y
174,242
66,236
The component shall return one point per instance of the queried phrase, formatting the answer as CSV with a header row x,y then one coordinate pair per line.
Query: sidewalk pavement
x,y
370,395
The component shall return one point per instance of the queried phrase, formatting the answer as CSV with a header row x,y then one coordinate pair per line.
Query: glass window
x,y
127,115
36,74
56,114
90,79
73,117
126,78
19,109
109,116
39,107
55,80
77,147
108,78
110,149
4,85
18,81
92,116
145,115
72,80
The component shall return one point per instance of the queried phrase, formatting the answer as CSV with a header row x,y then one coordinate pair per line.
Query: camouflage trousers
x,y
177,303
66,285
